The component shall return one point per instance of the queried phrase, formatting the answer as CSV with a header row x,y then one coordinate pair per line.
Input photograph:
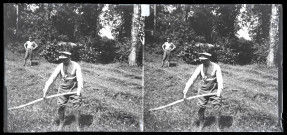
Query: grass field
x,y
250,98
112,97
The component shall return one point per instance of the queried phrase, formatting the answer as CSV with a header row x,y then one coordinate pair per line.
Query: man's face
x,y
65,61
30,39
205,61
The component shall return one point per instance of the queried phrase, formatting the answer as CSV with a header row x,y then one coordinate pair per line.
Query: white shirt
x,y
168,46
30,45
76,71
216,72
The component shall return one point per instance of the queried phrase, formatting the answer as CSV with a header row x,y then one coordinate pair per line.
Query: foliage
x,y
123,50
106,50
190,54
185,24
234,51
261,52
16,47
126,12
51,52
94,50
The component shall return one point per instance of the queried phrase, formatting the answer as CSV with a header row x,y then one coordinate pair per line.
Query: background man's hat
x,y
64,55
204,56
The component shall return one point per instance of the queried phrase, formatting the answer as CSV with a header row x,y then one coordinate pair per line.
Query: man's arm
x,y
51,79
79,79
173,46
219,80
36,45
163,46
25,45
191,80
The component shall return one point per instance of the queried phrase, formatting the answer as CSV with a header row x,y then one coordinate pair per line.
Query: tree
x,y
154,19
134,34
273,35
5,25
17,19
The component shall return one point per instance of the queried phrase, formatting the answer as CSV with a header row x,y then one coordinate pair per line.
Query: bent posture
x,y
71,80
29,47
212,82
167,48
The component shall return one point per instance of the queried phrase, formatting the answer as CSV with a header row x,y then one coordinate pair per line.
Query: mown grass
x,y
112,97
250,98
113,100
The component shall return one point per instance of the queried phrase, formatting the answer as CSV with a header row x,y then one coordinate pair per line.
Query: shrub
x,y
16,47
51,51
261,52
98,50
105,50
123,51
245,51
191,52
227,56
88,54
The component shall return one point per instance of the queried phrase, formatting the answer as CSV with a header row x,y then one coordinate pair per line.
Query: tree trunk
x,y
5,24
134,34
154,19
186,12
272,35
17,18
280,69
142,30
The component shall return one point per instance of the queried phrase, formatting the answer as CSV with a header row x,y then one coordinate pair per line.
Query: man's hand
x,y
78,92
44,92
184,93
44,95
218,94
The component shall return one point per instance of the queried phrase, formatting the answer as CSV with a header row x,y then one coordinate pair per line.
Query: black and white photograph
x,y
69,68
212,68
90,67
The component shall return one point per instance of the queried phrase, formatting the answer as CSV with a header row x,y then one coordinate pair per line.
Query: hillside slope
x,y
250,98
112,97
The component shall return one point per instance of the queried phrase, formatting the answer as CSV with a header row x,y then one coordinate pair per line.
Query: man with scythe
x,y
212,82
71,80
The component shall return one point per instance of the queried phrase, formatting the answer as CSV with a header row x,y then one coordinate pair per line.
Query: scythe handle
x,y
56,95
178,101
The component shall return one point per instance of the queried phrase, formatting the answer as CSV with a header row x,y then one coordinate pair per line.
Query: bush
x,y
94,50
88,54
191,52
245,50
106,51
98,50
16,47
228,56
261,52
123,51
